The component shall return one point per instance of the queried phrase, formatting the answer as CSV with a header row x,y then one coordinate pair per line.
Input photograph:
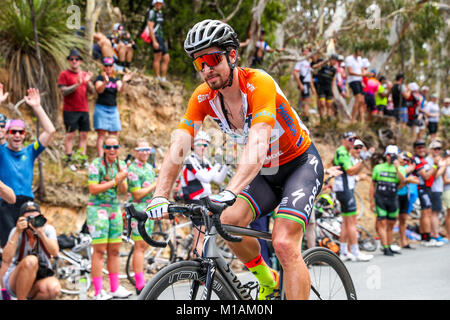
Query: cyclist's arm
x,y
7,194
173,162
252,158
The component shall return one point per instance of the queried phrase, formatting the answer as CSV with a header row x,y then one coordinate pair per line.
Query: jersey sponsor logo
x,y
298,194
299,142
284,113
190,123
202,97
270,157
312,197
263,113
314,162
251,87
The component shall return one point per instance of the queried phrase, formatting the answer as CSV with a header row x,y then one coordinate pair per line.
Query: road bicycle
x,y
72,266
178,248
211,277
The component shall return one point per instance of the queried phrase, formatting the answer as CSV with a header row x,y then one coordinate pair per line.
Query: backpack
x,y
329,244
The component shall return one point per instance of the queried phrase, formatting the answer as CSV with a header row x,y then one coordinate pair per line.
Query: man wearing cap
x,y
344,186
387,177
26,267
437,188
161,58
17,162
425,172
432,112
75,84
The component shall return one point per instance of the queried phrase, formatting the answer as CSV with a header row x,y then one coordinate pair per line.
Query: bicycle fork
x,y
208,267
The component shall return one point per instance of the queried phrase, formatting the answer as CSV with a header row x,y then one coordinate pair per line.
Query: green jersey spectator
x,y
386,178
141,184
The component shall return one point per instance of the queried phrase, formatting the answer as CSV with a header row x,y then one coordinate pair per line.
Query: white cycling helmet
x,y
210,33
202,135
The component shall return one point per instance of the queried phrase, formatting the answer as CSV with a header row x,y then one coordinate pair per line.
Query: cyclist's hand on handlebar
x,y
225,196
157,208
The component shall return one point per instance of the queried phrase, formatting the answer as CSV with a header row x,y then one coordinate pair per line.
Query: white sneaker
x,y
103,296
121,293
395,248
432,243
347,257
363,257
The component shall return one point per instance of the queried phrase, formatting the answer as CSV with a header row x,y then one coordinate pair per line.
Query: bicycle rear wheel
x,y
330,279
69,275
181,279
154,258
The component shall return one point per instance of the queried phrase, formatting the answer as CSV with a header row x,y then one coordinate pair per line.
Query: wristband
x,y
115,183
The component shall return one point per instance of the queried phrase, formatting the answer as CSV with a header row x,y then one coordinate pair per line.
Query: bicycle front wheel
x,y
184,280
330,279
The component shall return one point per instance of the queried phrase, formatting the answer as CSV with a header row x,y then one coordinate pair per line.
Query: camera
x,y
37,221
393,158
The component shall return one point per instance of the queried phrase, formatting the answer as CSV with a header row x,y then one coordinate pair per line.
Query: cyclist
x,y
425,171
279,164
344,186
197,175
107,178
141,184
386,178
405,196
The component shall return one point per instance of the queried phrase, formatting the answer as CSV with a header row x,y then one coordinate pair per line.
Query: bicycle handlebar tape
x,y
222,231
147,238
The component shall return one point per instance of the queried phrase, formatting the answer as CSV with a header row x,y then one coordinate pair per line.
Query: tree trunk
x,y
93,9
40,85
255,27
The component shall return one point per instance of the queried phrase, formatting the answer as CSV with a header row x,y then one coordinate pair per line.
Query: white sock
x,y
354,248
343,248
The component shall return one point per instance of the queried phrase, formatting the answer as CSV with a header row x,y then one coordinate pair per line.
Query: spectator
x,y
446,195
26,268
326,77
399,95
141,184
425,172
261,47
105,48
404,196
17,162
446,108
107,178
432,113
341,77
197,175
355,73
161,56
382,94
3,120
124,45
416,119
386,179
106,113
344,186
434,158
371,85
302,75
75,84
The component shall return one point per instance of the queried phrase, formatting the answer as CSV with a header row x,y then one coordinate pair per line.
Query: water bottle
x,y
83,285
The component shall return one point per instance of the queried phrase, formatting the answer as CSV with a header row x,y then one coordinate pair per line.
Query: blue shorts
x,y
403,114
107,118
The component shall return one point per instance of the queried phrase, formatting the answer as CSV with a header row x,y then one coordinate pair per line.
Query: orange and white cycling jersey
x,y
262,101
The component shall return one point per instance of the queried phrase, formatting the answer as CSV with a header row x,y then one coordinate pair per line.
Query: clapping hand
x,y
88,76
3,96
33,98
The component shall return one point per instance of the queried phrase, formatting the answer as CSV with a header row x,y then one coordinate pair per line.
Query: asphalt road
x,y
418,274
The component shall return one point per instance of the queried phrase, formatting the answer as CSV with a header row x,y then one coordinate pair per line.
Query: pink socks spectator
x,y
113,281
98,284
140,280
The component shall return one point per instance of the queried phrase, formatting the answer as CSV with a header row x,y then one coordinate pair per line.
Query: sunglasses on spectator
x,y
437,149
210,59
109,147
201,145
74,59
358,147
352,139
13,132
3,125
143,149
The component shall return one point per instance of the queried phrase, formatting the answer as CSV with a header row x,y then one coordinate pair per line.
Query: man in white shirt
x,y
355,73
302,75
432,112
446,109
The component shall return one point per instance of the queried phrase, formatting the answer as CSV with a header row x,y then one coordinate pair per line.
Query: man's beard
x,y
218,82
